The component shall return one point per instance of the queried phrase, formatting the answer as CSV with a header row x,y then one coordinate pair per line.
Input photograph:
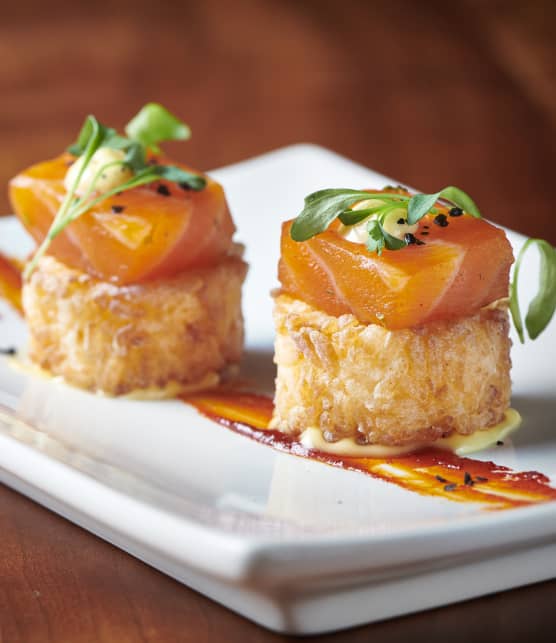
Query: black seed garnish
x,y
468,480
163,189
441,479
481,479
450,487
425,233
426,227
401,221
499,443
411,239
455,212
116,209
184,186
441,220
8,351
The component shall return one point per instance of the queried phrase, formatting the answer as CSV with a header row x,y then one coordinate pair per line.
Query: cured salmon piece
x,y
10,282
150,232
460,268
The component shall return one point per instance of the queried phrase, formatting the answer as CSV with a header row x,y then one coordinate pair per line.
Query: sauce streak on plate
x,y
430,472
10,282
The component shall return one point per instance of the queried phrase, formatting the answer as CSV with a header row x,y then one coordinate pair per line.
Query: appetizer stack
x,y
137,281
392,320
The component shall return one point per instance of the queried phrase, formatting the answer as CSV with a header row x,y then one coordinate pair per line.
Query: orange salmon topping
x,y
149,232
460,268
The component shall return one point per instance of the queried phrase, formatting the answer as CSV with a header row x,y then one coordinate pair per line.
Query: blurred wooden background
x,y
431,93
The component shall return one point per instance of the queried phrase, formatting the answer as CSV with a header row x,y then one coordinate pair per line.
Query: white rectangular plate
x,y
292,544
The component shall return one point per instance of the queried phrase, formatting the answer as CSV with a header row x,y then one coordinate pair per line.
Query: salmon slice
x,y
146,233
459,269
10,282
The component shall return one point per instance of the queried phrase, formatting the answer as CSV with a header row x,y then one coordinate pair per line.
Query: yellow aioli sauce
x,y
170,390
456,443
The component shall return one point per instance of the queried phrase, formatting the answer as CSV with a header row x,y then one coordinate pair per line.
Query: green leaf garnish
x,y
422,204
322,207
135,157
117,142
177,175
90,128
419,205
542,306
392,243
375,238
152,125
352,217
155,124
461,199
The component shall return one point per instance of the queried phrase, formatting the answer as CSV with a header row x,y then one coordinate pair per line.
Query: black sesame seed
x,y
8,351
450,487
184,186
455,212
163,189
419,242
425,233
468,480
499,443
441,220
481,479
401,221
426,227
441,479
409,238
116,209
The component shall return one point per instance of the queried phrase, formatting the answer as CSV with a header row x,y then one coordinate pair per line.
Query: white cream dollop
x,y
358,233
110,178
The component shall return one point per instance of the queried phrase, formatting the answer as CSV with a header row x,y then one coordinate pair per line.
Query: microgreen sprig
x,y
542,306
152,125
322,207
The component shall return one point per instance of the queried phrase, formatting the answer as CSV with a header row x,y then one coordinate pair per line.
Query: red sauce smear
x,y
11,282
429,472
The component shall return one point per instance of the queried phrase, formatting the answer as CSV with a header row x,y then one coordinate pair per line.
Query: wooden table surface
x,y
431,93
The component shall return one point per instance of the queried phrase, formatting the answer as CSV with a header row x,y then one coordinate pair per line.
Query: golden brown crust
x,y
389,387
117,339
